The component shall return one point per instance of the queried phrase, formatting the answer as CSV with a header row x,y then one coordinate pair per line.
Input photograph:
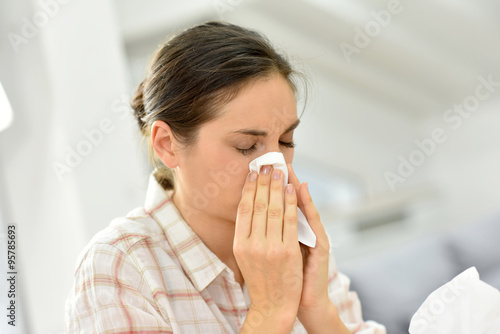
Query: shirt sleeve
x,y
347,302
110,295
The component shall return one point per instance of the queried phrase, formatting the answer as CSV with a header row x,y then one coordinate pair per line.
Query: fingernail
x,y
266,170
307,186
276,174
253,176
289,188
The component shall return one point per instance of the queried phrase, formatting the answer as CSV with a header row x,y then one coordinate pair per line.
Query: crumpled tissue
x,y
276,159
465,305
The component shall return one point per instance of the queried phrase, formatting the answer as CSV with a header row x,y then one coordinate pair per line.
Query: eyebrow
x,y
254,132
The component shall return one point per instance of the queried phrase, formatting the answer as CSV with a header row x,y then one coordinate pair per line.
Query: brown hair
x,y
195,73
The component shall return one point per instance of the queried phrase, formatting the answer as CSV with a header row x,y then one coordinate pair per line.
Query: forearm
x,y
268,322
325,320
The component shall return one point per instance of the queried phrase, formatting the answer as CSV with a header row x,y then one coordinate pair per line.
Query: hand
x,y
267,251
315,308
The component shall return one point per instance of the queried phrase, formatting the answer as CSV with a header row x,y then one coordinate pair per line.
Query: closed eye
x,y
248,151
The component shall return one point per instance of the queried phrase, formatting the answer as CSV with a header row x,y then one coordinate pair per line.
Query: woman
x,y
214,250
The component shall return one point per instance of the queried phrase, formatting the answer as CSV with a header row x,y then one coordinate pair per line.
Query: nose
x,y
274,150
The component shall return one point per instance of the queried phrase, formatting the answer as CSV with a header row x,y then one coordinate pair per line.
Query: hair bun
x,y
137,105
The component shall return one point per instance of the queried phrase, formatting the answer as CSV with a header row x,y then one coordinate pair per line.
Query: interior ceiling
x,y
426,59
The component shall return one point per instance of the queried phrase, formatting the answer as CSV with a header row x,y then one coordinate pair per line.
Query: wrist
x,y
323,319
268,320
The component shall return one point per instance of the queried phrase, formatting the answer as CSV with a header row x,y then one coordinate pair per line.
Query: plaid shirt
x,y
149,272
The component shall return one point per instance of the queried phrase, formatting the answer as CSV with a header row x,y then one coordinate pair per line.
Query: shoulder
x,y
122,235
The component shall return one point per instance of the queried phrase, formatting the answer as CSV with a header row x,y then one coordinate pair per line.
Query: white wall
x,y
466,168
67,78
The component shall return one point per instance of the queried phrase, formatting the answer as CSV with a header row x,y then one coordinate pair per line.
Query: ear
x,y
164,144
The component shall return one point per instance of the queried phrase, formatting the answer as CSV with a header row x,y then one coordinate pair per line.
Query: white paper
x,y
276,159
465,305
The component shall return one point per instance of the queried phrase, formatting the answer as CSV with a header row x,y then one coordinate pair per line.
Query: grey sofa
x,y
393,284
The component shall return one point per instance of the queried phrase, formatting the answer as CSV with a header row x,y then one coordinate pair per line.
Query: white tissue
x,y
465,305
276,159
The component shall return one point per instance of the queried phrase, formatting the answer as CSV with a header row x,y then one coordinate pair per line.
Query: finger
x,y
290,216
292,178
275,211
261,203
310,210
245,208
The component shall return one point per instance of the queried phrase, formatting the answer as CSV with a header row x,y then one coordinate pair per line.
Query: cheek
x,y
229,176
229,179
288,155
237,172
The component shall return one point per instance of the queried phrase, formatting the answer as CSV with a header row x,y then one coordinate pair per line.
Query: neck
x,y
216,233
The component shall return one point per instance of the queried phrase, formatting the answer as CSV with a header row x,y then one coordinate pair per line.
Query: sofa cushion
x,y
478,244
393,284
492,277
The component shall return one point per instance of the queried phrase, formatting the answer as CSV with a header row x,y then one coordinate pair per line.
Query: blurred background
x,y
399,140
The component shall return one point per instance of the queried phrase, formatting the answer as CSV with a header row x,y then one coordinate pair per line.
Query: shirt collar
x,y
198,262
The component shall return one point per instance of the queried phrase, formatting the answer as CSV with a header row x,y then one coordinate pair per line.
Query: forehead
x,y
267,103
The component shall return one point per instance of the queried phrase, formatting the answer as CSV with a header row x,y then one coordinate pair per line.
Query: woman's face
x,y
260,119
